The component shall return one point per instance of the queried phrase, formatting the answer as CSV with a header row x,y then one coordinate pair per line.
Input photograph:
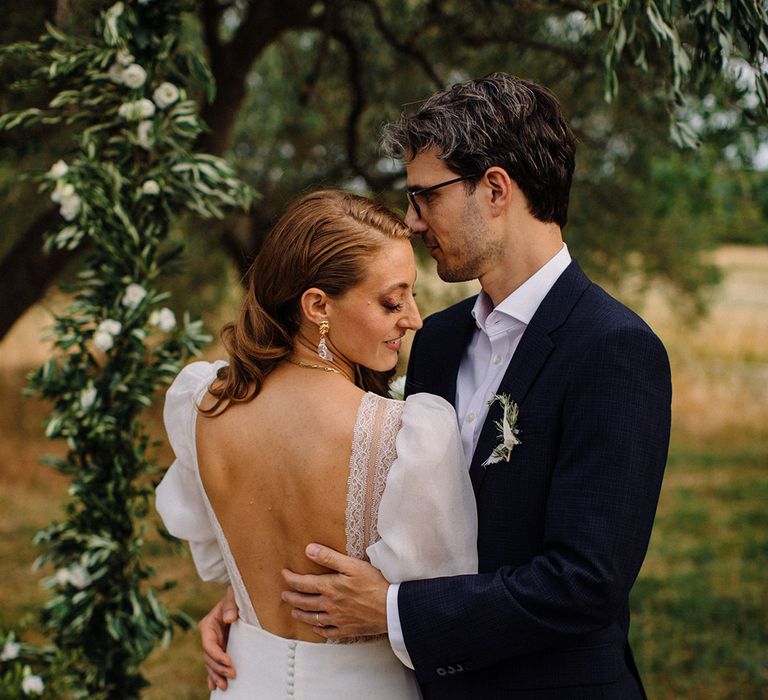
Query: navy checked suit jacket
x,y
564,525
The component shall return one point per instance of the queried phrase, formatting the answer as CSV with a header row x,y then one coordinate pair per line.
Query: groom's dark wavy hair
x,y
498,120
323,240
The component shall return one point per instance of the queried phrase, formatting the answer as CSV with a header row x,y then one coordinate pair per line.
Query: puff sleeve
x,y
427,517
179,498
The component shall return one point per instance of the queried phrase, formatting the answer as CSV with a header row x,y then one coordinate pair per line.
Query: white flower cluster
x,y
32,685
144,134
137,110
133,296
165,95
10,651
88,397
64,193
76,575
104,337
126,72
150,187
164,319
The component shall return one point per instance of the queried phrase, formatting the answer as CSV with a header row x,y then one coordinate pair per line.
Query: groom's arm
x,y
598,519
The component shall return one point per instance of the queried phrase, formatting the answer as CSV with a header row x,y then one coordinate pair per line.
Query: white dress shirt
x,y
482,368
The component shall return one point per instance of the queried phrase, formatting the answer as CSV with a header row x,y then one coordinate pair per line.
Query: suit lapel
x,y
446,359
535,347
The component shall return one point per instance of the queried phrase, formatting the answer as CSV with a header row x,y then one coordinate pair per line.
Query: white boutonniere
x,y
508,430
397,388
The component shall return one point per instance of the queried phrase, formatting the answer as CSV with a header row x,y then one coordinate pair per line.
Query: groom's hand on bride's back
x,y
214,632
349,603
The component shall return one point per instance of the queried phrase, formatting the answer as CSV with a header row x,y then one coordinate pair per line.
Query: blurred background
x,y
678,234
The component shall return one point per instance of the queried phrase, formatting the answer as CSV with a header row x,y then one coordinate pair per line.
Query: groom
x,y
564,522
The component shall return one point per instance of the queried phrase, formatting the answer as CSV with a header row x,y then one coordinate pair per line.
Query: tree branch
x,y
409,48
231,62
357,105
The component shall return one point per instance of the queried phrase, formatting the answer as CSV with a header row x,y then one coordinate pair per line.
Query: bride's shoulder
x,y
195,376
429,407
428,422
187,388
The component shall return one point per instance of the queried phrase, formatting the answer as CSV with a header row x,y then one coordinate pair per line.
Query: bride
x,y
294,441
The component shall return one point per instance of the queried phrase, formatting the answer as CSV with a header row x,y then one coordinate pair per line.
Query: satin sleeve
x,y
179,499
427,516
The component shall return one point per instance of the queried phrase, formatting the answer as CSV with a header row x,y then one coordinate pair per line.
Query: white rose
x,y
70,207
110,326
164,319
134,111
10,651
134,76
143,134
165,95
145,108
103,341
124,58
62,577
397,388
134,294
62,191
32,685
78,576
58,169
150,187
87,398
115,73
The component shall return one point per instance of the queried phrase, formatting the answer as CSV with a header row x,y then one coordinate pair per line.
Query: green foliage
x,y
122,90
700,38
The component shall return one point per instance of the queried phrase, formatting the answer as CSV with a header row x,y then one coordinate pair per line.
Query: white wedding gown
x,y
410,511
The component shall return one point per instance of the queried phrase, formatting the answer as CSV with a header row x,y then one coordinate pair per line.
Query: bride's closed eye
x,y
392,307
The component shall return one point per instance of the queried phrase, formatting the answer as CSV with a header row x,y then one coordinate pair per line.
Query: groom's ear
x,y
501,190
313,305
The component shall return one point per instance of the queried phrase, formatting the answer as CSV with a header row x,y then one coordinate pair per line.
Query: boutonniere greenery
x,y
507,428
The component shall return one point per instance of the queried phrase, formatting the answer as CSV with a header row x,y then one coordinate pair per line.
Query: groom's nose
x,y
414,222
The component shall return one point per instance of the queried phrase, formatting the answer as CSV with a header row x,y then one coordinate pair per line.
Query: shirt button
x,y
471,417
496,359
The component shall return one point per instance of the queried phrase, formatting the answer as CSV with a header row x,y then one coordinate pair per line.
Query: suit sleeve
x,y
604,490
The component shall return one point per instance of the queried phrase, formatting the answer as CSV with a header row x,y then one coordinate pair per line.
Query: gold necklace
x,y
325,368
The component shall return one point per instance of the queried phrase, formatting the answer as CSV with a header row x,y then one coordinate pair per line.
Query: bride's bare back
x,y
275,470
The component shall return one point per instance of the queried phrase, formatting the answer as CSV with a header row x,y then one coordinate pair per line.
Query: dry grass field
x,y
700,624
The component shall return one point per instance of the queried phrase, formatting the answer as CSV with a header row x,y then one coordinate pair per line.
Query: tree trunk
x,y
26,271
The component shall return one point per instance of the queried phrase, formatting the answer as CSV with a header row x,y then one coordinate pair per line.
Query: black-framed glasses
x,y
412,194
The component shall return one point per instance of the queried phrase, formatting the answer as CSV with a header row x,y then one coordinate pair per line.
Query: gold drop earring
x,y
322,349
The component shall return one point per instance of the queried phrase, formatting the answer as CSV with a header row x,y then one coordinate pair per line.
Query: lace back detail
x,y
373,451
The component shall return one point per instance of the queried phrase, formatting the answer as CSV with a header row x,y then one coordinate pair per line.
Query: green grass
x,y
700,605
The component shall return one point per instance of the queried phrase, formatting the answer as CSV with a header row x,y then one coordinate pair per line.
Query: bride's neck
x,y
304,352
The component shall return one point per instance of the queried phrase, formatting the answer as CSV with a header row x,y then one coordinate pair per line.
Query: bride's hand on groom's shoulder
x,y
349,603
214,632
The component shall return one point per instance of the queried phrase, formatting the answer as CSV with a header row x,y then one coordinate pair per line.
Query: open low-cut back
x,y
409,509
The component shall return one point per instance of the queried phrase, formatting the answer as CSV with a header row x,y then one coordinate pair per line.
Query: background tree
x,y
303,88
